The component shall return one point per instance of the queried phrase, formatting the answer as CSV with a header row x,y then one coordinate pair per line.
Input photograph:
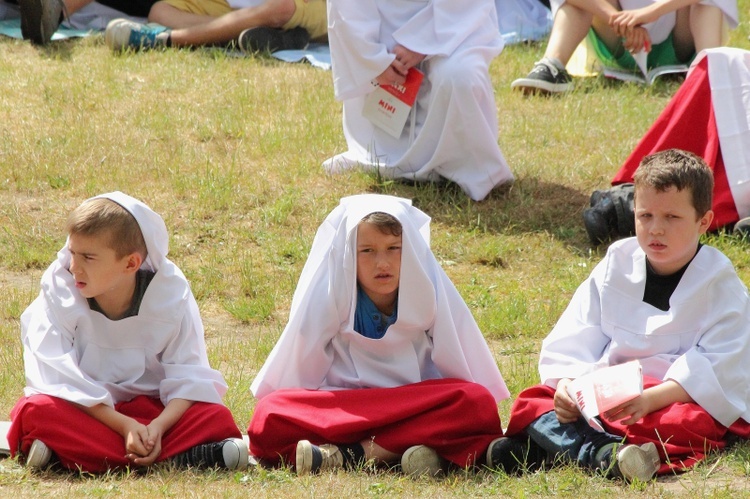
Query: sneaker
x,y
422,460
39,455
544,78
514,455
40,19
263,39
313,458
231,453
638,462
124,33
742,228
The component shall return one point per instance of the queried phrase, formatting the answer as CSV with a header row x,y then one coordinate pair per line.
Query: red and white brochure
x,y
601,390
388,106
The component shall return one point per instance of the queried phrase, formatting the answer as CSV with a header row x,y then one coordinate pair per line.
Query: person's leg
x,y
697,27
273,13
309,22
180,15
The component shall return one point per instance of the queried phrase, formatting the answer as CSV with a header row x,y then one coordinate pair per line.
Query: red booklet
x,y
388,106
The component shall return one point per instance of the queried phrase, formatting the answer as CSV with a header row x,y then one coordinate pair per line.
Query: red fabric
x,y
688,123
683,433
80,441
457,418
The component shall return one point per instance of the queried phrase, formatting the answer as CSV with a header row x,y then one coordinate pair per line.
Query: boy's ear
x,y
705,221
134,262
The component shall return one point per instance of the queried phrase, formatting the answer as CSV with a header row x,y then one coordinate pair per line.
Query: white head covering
x,y
74,353
434,336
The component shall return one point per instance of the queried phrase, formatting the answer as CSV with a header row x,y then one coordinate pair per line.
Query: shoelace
x,y
540,65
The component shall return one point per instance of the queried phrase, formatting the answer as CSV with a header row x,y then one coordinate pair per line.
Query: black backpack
x,y
611,215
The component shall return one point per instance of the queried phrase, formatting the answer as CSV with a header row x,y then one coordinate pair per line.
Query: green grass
x,y
229,151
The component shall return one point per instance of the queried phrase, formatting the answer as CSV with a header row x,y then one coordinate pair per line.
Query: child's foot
x,y
422,460
514,455
231,453
545,78
123,33
263,39
40,19
39,455
632,461
313,458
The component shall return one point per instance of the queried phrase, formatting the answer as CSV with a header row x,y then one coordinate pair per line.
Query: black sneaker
x,y
265,39
231,454
544,78
40,19
514,455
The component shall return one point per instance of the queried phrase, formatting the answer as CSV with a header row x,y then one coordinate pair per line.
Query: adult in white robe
x,y
453,130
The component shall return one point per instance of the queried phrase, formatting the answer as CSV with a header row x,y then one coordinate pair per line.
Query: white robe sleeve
x,y
714,371
577,341
51,363
187,374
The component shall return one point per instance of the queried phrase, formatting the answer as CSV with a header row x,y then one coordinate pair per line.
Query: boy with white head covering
x,y
380,356
114,344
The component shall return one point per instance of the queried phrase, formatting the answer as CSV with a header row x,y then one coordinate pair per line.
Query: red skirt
x,y
683,432
456,418
688,122
80,441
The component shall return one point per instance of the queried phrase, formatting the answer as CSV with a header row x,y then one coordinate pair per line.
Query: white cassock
x,y
79,355
702,342
434,336
660,29
453,133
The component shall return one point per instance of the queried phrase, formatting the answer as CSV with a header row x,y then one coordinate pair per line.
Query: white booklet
x,y
643,74
388,106
601,390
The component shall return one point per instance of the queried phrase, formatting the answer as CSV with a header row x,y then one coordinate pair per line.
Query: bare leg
x,y
698,27
76,5
273,14
374,452
572,23
172,17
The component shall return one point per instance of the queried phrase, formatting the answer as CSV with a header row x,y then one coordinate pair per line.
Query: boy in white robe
x,y
667,301
116,367
381,359
452,131
671,31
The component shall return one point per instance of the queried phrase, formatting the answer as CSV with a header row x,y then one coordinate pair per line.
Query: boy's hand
x,y
136,440
153,443
630,412
566,409
405,59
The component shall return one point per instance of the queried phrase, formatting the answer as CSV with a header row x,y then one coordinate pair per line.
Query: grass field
x,y
229,151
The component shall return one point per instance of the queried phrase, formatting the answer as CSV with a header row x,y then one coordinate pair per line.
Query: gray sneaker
x,y
641,462
40,19
545,78
312,458
422,460
39,455
264,39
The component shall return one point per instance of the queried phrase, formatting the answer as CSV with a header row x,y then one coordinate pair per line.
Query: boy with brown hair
x,y
381,359
114,344
664,299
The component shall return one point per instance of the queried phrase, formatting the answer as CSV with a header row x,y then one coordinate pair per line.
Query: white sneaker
x,y
124,33
638,462
312,458
235,454
39,455
422,460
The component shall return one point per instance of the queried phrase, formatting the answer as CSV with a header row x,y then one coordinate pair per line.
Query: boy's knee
x,y
280,12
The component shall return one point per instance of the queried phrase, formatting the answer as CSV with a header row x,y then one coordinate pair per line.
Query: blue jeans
x,y
576,441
